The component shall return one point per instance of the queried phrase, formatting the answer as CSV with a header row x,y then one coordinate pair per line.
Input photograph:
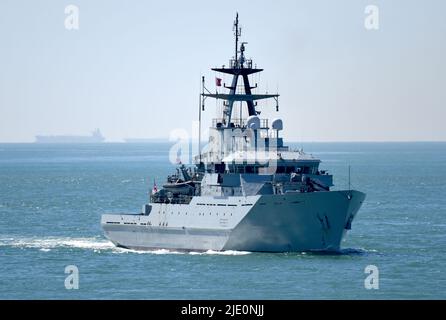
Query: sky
x,y
133,68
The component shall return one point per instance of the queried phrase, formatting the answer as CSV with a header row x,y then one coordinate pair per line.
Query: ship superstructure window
x,y
285,169
251,169
306,169
243,168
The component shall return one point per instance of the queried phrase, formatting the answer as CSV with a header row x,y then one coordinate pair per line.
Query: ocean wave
x,y
357,251
97,245
222,253
155,251
341,252
193,253
54,242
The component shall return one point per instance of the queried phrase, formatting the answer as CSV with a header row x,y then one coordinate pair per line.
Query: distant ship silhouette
x,y
95,137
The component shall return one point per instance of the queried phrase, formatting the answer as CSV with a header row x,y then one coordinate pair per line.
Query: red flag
x,y
218,82
155,188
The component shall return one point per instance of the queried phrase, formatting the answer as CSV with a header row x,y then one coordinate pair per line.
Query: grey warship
x,y
246,191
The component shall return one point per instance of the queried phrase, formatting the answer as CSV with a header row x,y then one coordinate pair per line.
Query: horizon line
x,y
163,140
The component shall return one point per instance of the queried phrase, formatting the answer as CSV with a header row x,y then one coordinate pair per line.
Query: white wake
x,y
48,243
96,244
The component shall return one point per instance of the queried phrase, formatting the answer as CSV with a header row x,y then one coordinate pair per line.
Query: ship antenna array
x,y
237,33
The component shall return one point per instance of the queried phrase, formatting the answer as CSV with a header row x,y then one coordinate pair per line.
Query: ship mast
x,y
237,33
239,66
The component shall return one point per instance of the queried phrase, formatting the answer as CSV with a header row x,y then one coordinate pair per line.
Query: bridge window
x,y
289,169
306,169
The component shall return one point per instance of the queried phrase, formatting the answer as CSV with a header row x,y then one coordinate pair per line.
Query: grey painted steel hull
x,y
313,221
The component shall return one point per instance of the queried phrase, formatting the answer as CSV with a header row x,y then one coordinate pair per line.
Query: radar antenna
x,y
239,67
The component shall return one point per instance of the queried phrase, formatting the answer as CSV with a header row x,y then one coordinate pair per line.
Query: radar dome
x,y
253,122
277,124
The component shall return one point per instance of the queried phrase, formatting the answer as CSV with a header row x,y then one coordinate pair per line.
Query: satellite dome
x,y
277,124
253,122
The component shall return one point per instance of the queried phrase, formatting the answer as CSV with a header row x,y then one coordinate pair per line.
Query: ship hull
x,y
313,221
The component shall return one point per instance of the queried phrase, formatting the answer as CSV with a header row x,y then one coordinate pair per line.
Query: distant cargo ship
x,y
95,137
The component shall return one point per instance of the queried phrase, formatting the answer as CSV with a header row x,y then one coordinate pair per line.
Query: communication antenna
x,y
237,33
200,108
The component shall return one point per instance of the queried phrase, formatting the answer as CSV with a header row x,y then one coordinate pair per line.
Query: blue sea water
x,y
52,196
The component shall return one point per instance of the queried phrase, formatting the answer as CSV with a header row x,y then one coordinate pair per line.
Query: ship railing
x,y
233,64
237,123
182,199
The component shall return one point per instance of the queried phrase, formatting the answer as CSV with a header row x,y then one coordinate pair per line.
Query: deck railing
x,y
237,123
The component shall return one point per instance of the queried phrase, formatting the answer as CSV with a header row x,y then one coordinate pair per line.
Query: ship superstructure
x,y
246,191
